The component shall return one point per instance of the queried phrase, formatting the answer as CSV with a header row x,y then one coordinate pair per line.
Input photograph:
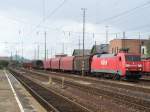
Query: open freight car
x,y
47,64
66,64
78,64
27,65
55,64
37,64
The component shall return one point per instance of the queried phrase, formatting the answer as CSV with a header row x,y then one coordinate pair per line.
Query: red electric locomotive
x,y
122,65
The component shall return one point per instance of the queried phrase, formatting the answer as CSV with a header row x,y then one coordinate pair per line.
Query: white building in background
x,y
143,50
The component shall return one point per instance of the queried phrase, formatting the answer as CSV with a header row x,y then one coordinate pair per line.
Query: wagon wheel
x,y
116,77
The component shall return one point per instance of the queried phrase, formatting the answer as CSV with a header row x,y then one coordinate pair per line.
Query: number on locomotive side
x,y
104,62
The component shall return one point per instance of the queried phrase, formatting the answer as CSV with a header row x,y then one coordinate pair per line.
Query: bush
x,y
3,64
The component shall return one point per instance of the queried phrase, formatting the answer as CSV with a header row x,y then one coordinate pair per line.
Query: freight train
x,y
115,66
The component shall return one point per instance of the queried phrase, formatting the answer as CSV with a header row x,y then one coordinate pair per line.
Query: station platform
x,y
14,97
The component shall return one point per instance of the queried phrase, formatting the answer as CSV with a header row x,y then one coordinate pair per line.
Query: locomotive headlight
x,y
139,65
127,65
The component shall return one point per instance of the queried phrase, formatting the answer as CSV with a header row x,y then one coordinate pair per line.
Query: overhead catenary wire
x,y
53,12
59,6
57,29
124,12
140,27
48,16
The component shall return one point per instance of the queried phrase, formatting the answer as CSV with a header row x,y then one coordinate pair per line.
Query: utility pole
x,y
140,42
35,54
116,35
47,54
21,46
16,55
63,47
45,45
79,43
38,51
124,41
95,47
83,63
94,41
93,37
22,50
11,56
106,34
51,52
44,10
38,47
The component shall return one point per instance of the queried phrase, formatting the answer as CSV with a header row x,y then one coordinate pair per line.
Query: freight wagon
x,y
47,64
78,64
27,65
37,64
66,64
69,64
55,63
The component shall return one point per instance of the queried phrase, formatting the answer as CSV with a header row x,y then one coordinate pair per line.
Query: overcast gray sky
x,y
63,23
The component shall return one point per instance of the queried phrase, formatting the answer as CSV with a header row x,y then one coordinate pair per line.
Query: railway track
x,y
145,80
135,102
134,85
52,101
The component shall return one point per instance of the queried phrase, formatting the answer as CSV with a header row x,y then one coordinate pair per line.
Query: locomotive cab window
x,y
132,58
98,55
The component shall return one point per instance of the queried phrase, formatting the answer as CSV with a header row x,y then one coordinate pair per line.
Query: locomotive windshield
x,y
132,58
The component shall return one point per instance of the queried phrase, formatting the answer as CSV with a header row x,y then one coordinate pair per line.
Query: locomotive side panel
x,y
146,66
103,64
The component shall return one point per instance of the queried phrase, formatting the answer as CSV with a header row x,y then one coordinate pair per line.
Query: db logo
x,y
104,62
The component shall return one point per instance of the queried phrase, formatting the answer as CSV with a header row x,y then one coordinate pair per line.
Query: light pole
x,y
140,44
83,63
106,34
21,38
45,46
38,47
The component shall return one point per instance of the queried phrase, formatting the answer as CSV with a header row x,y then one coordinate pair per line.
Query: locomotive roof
x,y
106,55
111,55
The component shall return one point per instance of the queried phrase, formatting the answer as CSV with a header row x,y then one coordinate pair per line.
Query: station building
x,y
133,45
